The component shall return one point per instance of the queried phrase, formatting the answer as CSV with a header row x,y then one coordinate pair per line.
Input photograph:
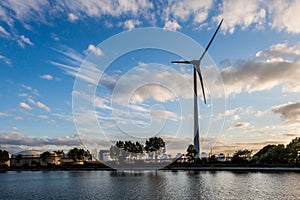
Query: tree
x,y
46,156
60,153
155,145
79,154
241,156
191,153
271,154
87,155
4,156
127,149
292,150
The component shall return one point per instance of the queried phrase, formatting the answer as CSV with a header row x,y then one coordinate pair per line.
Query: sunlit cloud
x,y
172,25
25,105
47,77
91,48
72,17
131,24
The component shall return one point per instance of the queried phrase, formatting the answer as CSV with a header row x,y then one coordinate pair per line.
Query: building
x,y
221,157
104,155
26,158
203,155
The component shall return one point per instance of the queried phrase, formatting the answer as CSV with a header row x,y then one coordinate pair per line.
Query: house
x,y
104,155
26,158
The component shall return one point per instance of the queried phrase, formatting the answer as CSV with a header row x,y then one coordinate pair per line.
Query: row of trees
x,y
75,154
268,155
123,150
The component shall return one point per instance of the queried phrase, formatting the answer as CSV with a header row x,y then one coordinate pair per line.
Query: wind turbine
x,y
196,64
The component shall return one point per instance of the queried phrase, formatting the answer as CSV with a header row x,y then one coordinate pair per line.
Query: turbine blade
x,y
201,82
184,62
211,41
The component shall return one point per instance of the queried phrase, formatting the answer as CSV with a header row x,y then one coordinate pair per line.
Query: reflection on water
x,y
148,185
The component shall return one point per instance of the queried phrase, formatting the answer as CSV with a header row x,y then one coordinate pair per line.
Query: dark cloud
x,y
24,140
290,112
240,125
278,65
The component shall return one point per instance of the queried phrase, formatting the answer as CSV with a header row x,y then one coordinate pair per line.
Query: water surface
x,y
148,185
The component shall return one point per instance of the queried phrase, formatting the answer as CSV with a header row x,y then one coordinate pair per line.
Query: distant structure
x,y
104,155
196,64
203,155
32,158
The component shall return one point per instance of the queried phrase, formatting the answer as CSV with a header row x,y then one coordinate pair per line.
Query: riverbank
x,y
233,169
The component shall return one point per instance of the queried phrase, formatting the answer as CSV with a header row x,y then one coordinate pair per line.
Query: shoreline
x,y
213,169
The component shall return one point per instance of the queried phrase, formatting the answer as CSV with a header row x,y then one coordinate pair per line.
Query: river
x,y
149,185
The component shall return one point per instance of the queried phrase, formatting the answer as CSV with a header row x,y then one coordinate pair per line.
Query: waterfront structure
x,y
104,155
26,158
33,158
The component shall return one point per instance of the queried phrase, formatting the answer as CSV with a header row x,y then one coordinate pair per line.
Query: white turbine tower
x,y
196,64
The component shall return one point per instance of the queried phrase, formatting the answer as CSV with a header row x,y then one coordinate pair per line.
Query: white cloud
x,y
15,128
185,9
72,17
18,118
4,59
241,13
93,49
285,15
235,117
164,114
31,10
20,141
25,105
131,24
159,83
172,25
252,75
4,114
280,52
24,40
43,106
4,32
280,15
47,77
43,117
34,91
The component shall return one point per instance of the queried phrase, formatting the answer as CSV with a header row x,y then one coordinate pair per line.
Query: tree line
x,y
268,155
124,150
155,146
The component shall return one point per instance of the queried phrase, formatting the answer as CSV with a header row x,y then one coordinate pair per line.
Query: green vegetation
x,y
241,156
270,155
128,151
46,156
155,145
79,154
191,153
4,157
134,150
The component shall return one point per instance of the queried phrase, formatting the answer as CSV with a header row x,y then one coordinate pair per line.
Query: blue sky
x,y
45,43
